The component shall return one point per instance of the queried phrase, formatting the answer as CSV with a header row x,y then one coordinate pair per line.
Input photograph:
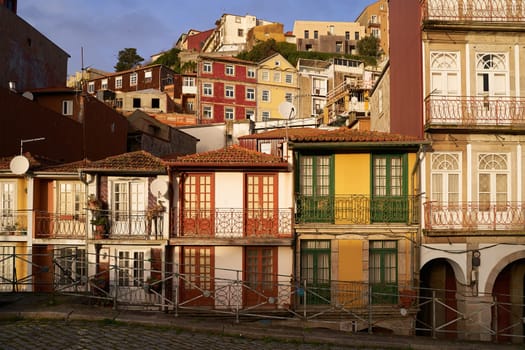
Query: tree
x,y
170,59
127,59
369,49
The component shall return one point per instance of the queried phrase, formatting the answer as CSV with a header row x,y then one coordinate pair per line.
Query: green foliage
x,y
127,59
170,59
369,49
289,51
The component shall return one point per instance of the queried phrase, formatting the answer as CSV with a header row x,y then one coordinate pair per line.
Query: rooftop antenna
x,y
20,164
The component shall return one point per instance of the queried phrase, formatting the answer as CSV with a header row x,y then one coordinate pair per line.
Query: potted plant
x,y
99,218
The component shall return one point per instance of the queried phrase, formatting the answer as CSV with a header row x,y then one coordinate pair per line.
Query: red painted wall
x,y
105,130
406,84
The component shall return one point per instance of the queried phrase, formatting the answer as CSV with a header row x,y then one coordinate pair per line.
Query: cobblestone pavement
x,y
56,334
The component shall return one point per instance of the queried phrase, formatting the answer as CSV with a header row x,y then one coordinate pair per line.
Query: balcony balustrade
x,y
474,112
356,209
474,10
117,225
236,223
13,222
60,225
474,216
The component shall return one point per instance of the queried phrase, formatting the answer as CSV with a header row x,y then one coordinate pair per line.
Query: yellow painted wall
x,y
352,174
351,260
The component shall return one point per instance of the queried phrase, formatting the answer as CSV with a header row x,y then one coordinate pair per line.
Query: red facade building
x,y
226,89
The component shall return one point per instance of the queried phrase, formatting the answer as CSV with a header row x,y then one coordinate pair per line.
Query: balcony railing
x,y
236,223
356,209
60,225
475,111
479,216
474,10
13,222
118,224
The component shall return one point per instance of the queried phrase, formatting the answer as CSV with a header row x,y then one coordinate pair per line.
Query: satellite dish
x,y
159,187
28,95
287,110
19,165
354,100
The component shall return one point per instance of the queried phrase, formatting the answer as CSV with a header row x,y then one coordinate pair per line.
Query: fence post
x,y
496,330
305,300
13,276
116,283
370,309
237,298
433,314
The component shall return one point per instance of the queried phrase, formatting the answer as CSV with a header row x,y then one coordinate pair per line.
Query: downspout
x,y
416,243
83,177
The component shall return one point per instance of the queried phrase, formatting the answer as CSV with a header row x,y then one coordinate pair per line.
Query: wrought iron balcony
x,y
356,209
474,112
474,216
60,225
13,222
236,223
474,10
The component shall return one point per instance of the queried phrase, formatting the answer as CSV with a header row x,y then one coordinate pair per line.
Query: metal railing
x,y
475,111
14,222
357,209
467,216
235,223
474,10
59,225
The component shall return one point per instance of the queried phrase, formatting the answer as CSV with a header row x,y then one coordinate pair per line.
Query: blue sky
x,y
104,27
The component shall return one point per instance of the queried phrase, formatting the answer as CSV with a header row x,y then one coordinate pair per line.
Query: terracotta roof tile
x,y
35,162
66,167
139,161
282,133
233,156
344,134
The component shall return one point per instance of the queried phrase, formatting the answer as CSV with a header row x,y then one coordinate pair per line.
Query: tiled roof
x,y
233,156
344,134
139,162
282,133
72,167
35,162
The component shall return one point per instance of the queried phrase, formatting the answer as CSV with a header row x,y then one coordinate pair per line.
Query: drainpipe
x,y
416,243
86,179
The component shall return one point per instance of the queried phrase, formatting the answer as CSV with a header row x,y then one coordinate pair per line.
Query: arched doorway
x,y
438,280
508,312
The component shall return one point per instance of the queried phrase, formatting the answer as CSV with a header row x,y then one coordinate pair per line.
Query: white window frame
x,y
229,113
229,91
494,165
445,73
91,87
229,70
250,94
207,112
207,89
133,265
133,79
250,73
131,200
445,166
118,82
188,81
277,77
490,67
207,67
104,84
265,115
265,95
67,107
265,75
148,76
288,78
